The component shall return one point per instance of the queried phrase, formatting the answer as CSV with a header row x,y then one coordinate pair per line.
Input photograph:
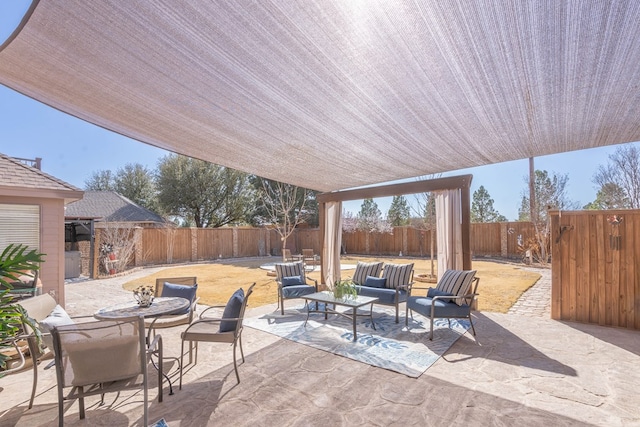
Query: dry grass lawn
x,y
500,284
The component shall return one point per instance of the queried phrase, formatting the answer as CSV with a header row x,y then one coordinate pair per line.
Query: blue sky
x,y
72,149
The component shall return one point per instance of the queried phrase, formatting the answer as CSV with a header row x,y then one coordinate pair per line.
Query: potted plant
x,y
14,261
344,289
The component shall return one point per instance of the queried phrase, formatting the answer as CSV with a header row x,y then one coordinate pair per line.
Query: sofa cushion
x,y
397,274
181,291
433,292
364,269
232,311
297,291
292,281
385,296
456,282
290,269
375,282
441,309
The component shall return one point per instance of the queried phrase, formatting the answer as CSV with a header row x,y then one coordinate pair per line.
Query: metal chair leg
x,y
235,363
472,328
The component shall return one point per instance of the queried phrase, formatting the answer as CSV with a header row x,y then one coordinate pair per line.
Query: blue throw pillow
x,y
232,310
292,281
433,292
375,282
182,291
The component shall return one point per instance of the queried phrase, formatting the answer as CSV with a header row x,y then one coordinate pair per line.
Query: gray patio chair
x,y
309,257
452,298
184,287
292,282
46,313
287,256
100,357
225,329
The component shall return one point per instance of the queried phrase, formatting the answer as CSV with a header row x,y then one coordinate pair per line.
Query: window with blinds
x,y
19,224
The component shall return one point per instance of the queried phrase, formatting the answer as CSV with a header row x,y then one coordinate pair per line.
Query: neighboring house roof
x,y
110,206
17,178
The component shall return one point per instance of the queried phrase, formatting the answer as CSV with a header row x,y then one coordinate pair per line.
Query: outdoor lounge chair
x,y
292,282
225,329
450,299
100,357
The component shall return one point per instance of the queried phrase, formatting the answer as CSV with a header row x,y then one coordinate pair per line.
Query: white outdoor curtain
x,y
449,230
332,242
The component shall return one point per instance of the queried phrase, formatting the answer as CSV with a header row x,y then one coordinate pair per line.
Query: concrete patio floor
x,y
524,370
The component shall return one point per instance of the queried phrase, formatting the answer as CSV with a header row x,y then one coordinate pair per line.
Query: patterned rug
x,y
390,346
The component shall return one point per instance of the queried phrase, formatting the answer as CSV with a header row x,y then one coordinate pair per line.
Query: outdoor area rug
x,y
391,346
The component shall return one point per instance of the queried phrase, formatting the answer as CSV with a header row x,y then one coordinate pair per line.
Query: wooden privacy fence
x,y
176,245
595,275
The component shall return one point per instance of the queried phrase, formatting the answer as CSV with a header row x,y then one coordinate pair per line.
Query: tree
x,y
133,181
349,225
482,209
369,219
399,212
549,193
102,180
202,193
283,205
369,216
136,183
610,196
619,179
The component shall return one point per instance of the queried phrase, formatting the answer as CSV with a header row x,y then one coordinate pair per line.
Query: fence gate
x,y
595,274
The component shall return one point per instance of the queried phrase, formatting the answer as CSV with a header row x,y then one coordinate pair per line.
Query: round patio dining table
x,y
160,306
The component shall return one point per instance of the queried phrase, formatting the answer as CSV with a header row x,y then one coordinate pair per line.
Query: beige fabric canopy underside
x,y
334,94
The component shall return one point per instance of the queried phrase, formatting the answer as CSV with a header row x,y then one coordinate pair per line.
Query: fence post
x,y
96,253
267,240
235,241
405,242
504,250
194,243
137,246
367,248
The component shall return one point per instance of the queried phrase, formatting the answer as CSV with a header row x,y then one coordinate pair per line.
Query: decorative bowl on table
x,y
144,295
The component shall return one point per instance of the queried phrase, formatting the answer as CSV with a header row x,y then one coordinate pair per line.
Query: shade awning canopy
x,y
334,94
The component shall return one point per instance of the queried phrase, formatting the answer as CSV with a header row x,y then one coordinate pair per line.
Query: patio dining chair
x,y
452,298
225,329
287,256
309,257
184,287
96,358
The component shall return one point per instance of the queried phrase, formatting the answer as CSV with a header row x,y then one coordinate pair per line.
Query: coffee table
x,y
354,303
